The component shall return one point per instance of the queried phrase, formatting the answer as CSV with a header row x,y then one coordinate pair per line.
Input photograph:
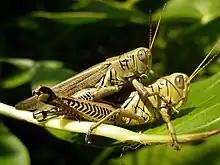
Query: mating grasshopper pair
x,y
78,96
147,104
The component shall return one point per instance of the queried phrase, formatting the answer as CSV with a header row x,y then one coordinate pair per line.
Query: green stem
x,y
110,131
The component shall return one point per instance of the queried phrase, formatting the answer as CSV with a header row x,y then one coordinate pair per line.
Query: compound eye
x,y
142,55
179,81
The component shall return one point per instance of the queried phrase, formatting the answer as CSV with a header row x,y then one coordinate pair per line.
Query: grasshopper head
x,y
175,87
176,90
143,60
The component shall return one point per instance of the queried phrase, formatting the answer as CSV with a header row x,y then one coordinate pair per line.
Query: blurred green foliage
x,y
39,38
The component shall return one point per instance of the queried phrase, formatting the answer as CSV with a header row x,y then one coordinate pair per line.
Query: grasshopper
x,y
107,77
146,105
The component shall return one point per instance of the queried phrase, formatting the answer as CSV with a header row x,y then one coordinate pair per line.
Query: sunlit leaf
x,y
12,150
21,63
29,69
95,11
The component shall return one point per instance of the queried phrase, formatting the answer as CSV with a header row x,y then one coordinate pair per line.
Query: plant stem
x,y
110,131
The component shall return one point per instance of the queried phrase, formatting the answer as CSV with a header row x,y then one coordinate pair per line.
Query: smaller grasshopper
x,y
146,105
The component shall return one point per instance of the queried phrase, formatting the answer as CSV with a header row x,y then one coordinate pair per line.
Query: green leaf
x,y
12,150
26,70
30,69
201,11
95,11
202,17
21,63
71,17
18,78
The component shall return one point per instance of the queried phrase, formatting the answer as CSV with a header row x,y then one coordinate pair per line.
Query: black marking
x,y
75,104
83,97
116,76
96,115
86,107
93,112
110,118
89,95
68,102
106,110
137,105
90,106
81,107
120,62
86,96
87,110
113,117
142,109
167,90
133,59
103,80
110,77
126,61
146,117
71,103
152,88
128,102
80,97
102,112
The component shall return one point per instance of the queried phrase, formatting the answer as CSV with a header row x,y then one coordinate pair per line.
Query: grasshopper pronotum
x,y
147,104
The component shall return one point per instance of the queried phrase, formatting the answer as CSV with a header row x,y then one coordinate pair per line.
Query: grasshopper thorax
x,y
133,63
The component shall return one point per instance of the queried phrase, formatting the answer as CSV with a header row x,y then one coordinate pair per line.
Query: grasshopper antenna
x,y
151,40
200,67
150,28
157,28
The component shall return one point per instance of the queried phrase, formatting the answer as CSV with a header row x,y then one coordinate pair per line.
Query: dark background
x,y
76,42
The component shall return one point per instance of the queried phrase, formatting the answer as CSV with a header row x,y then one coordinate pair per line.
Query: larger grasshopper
x,y
107,77
146,105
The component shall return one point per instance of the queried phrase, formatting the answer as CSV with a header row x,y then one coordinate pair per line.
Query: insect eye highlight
x,y
142,55
179,81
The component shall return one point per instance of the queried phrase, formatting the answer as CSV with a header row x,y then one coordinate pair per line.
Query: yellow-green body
x,y
108,77
144,107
